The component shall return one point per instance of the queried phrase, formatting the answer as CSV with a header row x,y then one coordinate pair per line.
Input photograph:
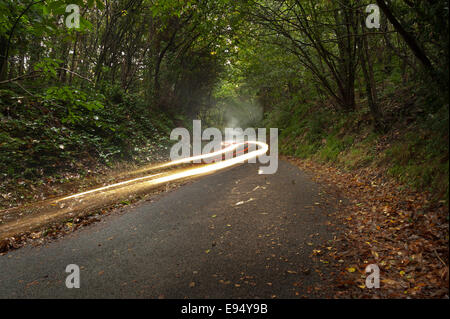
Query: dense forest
x,y
109,90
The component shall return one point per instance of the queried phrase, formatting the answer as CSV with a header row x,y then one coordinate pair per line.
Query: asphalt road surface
x,y
232,234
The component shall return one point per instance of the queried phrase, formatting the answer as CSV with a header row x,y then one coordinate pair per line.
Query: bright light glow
x,y
109,186
213,154
216,166
190,172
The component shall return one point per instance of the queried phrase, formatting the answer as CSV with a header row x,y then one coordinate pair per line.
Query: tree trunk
x,y
3,59
367,69
74,59
409,39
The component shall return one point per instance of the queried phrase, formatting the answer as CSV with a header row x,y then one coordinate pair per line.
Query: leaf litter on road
x,y
404,232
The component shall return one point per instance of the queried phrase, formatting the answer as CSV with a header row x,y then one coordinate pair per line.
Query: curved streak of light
x,y
215,166
230,148
109,186
191,172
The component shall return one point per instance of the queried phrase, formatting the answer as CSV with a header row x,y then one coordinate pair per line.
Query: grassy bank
x,y
62,135
413,149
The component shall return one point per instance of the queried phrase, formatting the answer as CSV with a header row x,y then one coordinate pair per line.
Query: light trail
x,y
190,172
109,186
230,148
215,166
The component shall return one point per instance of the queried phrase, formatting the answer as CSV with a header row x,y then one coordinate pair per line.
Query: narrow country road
x,y
233,234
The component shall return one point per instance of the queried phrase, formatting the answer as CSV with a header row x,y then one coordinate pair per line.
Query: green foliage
x,y
48,66
333,148
79,104
421,158
63,127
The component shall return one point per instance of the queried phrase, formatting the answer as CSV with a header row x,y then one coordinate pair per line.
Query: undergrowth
x,y
415,152
63,129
